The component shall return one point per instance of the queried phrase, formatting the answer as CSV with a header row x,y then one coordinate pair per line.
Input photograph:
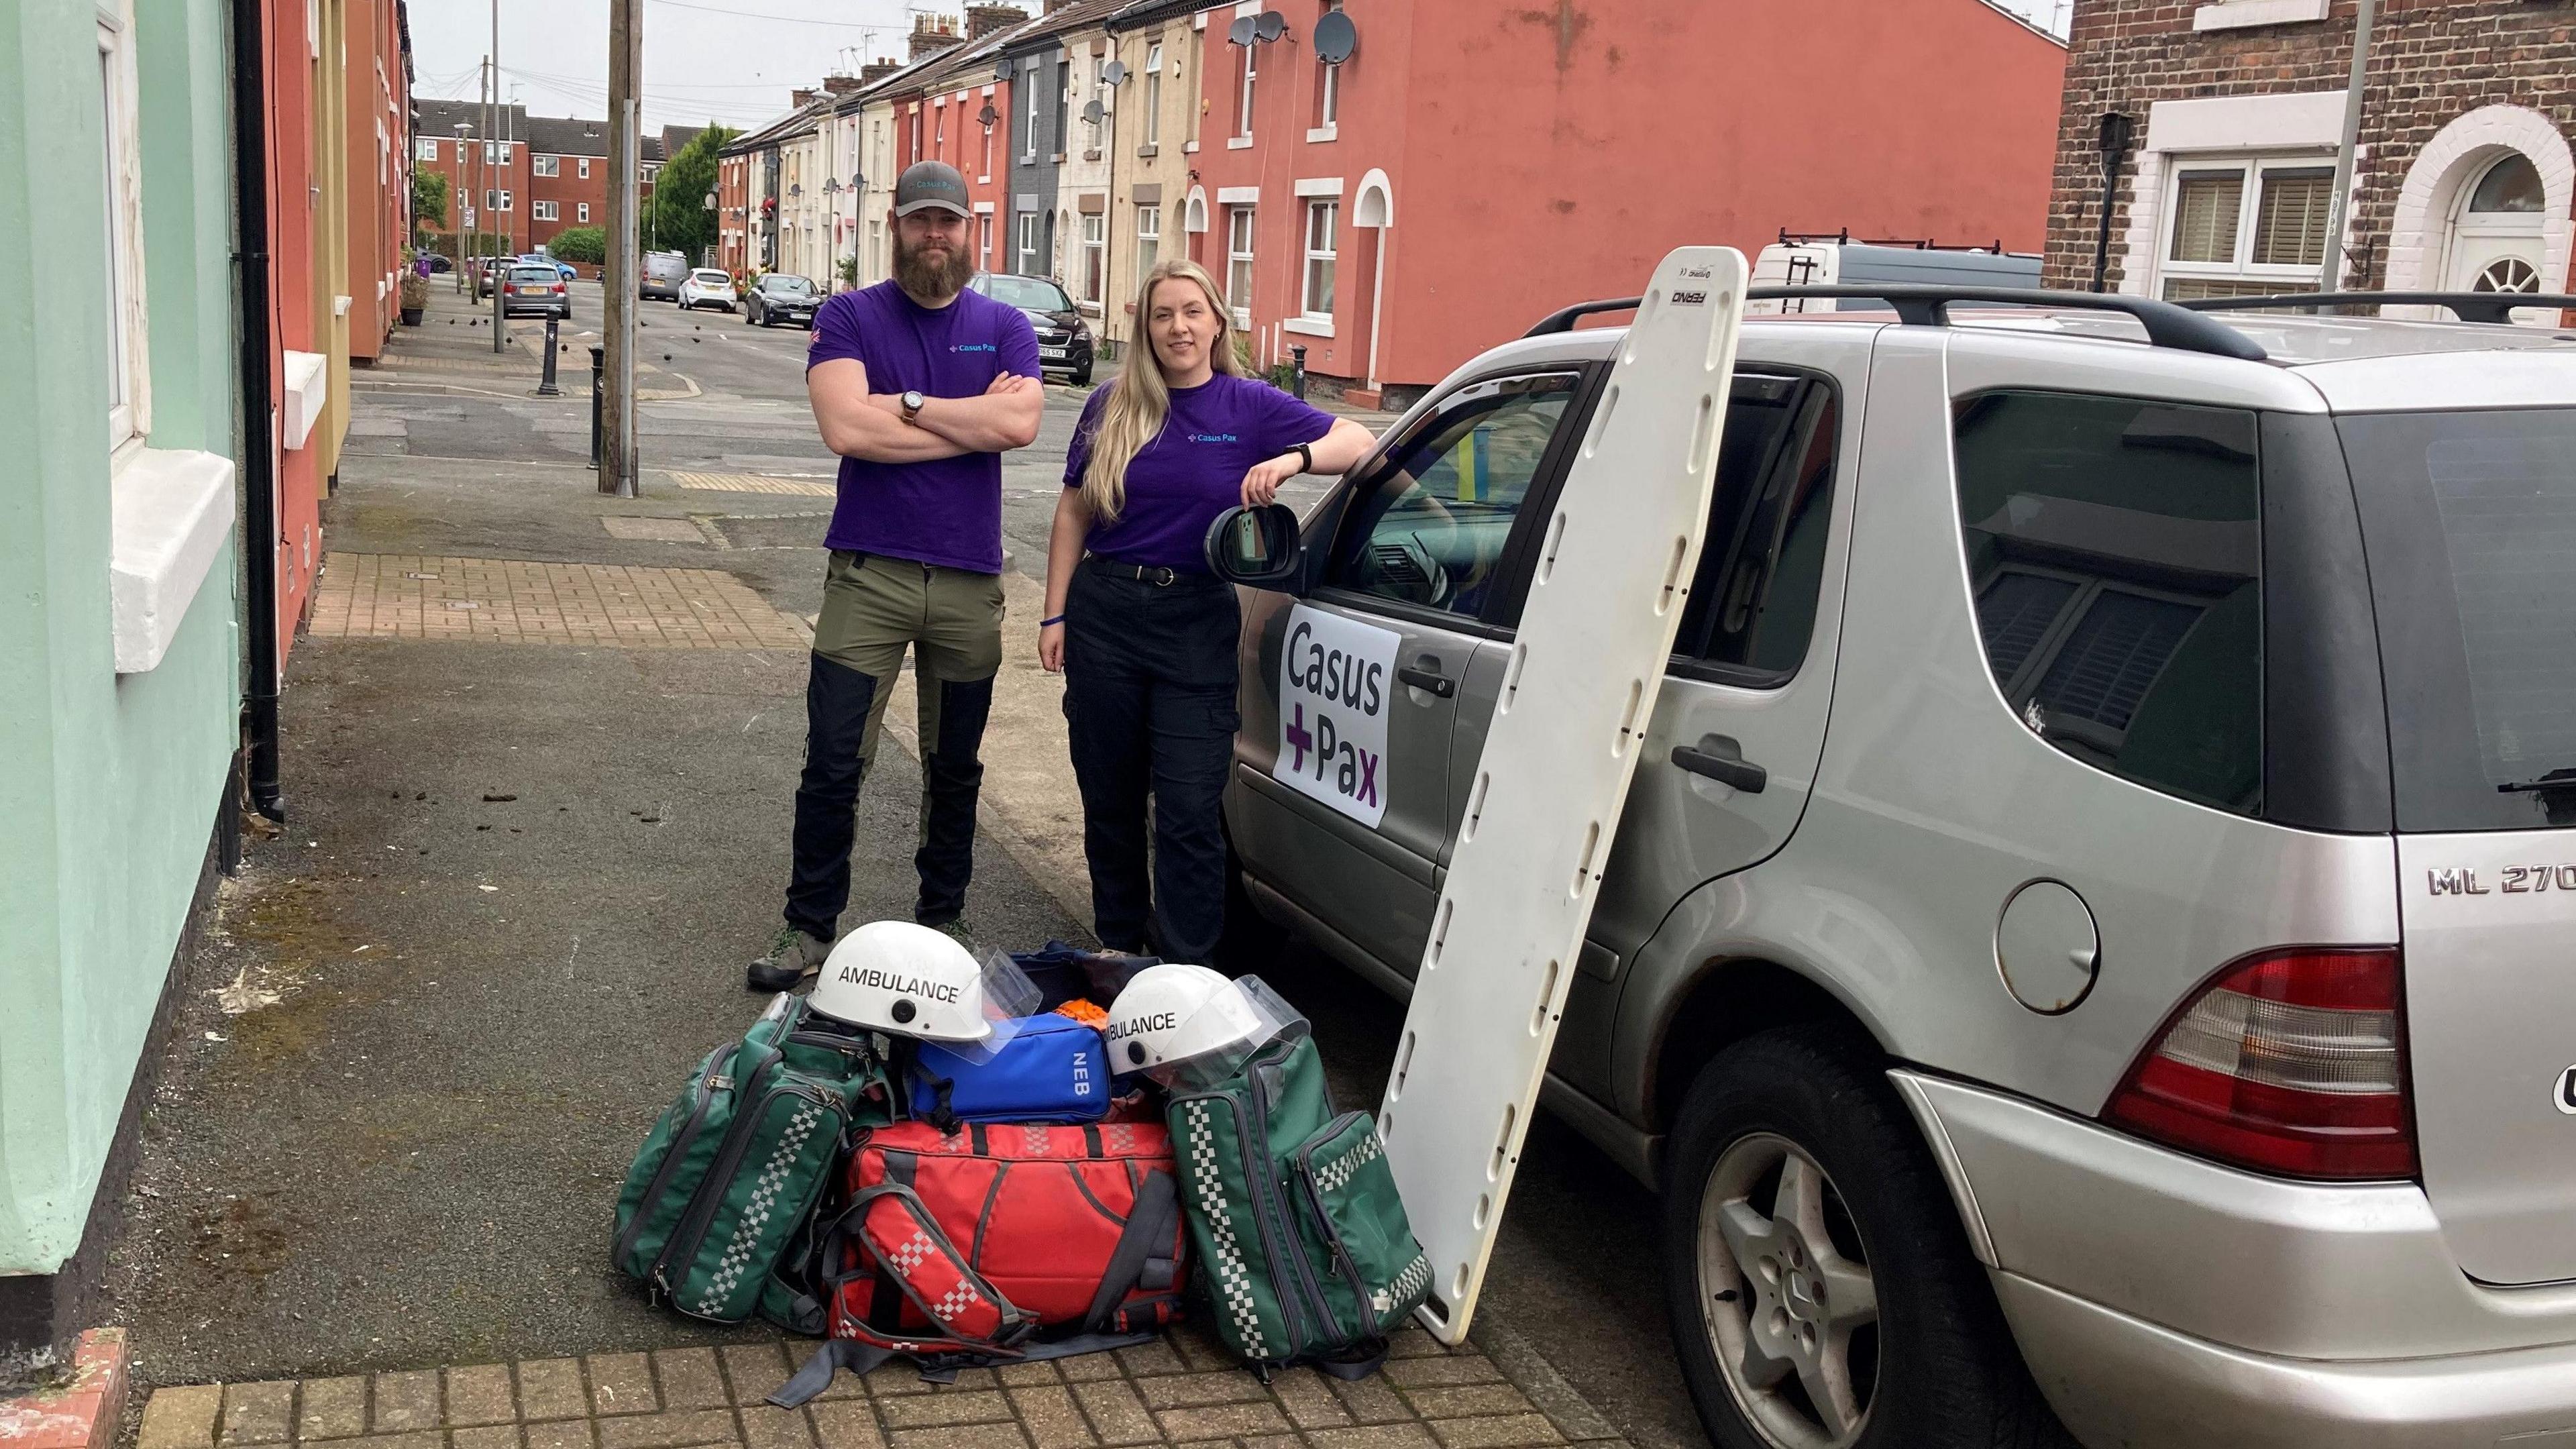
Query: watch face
x,y
913,400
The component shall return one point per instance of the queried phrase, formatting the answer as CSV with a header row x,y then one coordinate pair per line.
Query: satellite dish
x,y
1335,38
988,115
1115,72
1271,25
1091,112
1003,71
1241,32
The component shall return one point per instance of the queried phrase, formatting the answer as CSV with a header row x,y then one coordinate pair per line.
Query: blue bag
x,y
1055,1069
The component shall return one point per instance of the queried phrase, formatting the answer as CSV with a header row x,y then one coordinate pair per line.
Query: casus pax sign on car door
x,y
1334,673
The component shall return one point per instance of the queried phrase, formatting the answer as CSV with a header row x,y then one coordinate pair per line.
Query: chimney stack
x,y
983,20
877,70
800,99
841,85
932,34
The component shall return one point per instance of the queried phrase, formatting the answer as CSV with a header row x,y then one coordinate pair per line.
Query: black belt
x,y
1161,576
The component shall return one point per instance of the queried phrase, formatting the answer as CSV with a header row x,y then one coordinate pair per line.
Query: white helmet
x,y
1171,1016
910,980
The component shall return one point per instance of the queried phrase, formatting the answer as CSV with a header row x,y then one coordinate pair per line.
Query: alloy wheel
x,y
1786,1295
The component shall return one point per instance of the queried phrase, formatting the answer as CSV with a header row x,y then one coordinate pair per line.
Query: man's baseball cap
x,y
928,184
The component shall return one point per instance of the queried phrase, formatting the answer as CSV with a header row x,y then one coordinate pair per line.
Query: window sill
x,y
1149,150
2238,14
1189,148
1242,319
1087,309
171,512
308,391
1308,326
1238,143
1321,134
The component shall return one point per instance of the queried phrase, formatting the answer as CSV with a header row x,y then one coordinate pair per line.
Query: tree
x,y
429,199
580,244
680,220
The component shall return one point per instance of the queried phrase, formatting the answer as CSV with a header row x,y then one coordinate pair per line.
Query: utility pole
x,y
2349,152
617,454
500,273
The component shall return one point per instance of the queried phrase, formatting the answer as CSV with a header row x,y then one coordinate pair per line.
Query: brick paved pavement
x,y
522,601
755,483
1183,1390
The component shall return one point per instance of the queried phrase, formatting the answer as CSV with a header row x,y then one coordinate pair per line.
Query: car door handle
x,y
1721,759
1439,684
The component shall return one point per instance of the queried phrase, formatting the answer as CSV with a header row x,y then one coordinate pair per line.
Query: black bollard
x,y
598,374
1297,377
546,383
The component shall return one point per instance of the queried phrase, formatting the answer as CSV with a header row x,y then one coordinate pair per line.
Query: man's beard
x,y
922,277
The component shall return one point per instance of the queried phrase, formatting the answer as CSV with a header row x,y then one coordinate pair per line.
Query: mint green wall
x,y
109,784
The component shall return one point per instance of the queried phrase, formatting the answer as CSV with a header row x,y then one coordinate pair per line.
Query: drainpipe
x,y
2116,133
259,402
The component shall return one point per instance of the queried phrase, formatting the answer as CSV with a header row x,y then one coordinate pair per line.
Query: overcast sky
x,y
703,60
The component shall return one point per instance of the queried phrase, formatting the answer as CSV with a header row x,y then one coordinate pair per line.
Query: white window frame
x,y
1242,236
1028,91
129,400
1153,94
497,153
1027,238
1328,94
984,241
496,200
583,210
1095,257
546,211
1328,208
549,166
1243,95
581,167
1149,238
2252,169
425,148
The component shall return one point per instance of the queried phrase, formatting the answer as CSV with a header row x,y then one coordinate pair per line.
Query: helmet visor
x,y
1213,1042
1006,1000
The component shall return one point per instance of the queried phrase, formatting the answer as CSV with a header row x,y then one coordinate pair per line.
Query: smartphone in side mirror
x,y
1256,547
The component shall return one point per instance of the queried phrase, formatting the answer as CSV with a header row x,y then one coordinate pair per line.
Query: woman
x,y
1144,633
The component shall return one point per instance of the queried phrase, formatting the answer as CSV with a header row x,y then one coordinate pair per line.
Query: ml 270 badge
x,y
2518,880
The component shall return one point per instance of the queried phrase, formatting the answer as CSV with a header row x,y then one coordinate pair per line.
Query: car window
x,y
791,286
712,279
1428,525
535,274
1031,293
1752,607
2115,551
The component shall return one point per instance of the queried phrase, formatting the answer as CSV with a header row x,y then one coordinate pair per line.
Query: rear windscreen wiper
x,y
2554,780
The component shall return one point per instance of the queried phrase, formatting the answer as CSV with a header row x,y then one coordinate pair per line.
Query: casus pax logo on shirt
x,y
973,347
1214,438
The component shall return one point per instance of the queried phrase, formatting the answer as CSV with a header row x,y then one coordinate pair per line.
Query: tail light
x,y
2291,1063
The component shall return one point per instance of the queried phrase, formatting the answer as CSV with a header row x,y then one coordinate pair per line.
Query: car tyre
x,y
1081,377
1805,1224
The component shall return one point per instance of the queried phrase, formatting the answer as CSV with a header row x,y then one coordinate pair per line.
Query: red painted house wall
x,y
379,148
302,315
1544,153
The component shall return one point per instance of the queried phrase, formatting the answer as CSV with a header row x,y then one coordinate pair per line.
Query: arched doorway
x,y
2495,237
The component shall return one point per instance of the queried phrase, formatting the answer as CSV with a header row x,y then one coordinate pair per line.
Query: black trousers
x,y
1149,702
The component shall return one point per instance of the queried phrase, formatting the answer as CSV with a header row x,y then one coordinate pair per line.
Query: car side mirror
x,y
1258,548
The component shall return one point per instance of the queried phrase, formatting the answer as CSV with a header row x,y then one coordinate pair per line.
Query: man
x,y
920,386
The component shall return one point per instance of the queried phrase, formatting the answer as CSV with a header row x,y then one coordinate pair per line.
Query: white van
x,y
1835,260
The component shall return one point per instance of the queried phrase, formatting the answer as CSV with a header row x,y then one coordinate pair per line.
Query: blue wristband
x,y
1050,623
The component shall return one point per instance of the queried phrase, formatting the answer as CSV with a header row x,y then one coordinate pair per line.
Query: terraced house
x,y
2228,116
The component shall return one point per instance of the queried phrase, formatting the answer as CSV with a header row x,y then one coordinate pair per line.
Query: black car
x,y
1064,339
782,297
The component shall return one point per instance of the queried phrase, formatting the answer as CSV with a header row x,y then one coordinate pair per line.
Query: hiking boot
x,y
956,931
793,958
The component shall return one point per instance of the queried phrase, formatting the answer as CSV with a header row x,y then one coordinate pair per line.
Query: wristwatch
x,y
912,402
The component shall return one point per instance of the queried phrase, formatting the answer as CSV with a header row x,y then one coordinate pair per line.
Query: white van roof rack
x,y
2485,307
1918,304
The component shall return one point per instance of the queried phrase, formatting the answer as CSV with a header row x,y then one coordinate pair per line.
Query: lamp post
x,y
466,215
709,206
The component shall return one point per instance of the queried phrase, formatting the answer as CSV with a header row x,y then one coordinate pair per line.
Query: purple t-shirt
x,y
1193,469
947,511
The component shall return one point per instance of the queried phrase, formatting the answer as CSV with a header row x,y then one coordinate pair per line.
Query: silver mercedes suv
x,y
2096,922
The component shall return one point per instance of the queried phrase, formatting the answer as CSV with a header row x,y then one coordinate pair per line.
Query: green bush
x,y
580,244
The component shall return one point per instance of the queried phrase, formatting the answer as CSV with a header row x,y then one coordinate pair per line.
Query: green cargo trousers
x,y
874,608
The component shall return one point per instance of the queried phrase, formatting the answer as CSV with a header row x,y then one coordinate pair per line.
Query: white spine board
x,y
1614,569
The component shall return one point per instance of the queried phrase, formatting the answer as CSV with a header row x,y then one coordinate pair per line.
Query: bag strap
x,y
1146,1255
835,1355
907,1243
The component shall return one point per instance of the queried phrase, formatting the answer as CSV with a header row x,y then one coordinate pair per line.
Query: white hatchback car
x,y
707,287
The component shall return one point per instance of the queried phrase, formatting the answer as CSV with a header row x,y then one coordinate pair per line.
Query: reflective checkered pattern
x,y
736,1263
1033,1139
914,1252
1406,1290
1233,1278
1335,1175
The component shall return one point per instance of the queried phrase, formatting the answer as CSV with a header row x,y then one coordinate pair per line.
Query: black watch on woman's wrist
x,y
1305,458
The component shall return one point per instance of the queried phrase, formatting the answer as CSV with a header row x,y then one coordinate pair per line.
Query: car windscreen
x,y
2469,519
1031,293
535,274
787,286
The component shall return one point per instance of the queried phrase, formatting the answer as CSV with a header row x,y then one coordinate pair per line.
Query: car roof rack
x,y
2481,307
1920,304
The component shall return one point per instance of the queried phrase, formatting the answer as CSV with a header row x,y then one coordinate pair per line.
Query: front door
x,y
1415,565
2495,243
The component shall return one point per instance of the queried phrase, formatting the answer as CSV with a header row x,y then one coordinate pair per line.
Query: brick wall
x,y
2430,63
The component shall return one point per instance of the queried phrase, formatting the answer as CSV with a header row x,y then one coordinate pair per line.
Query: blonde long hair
x,y
1140,401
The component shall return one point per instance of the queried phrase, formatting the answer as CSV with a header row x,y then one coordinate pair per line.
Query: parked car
x,y
707,287
439,264
536,291
781,297
566,270
664,272
1064,339
2091,915
486,271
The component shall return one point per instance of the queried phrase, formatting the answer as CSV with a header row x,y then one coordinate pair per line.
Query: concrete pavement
x,y
524,866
